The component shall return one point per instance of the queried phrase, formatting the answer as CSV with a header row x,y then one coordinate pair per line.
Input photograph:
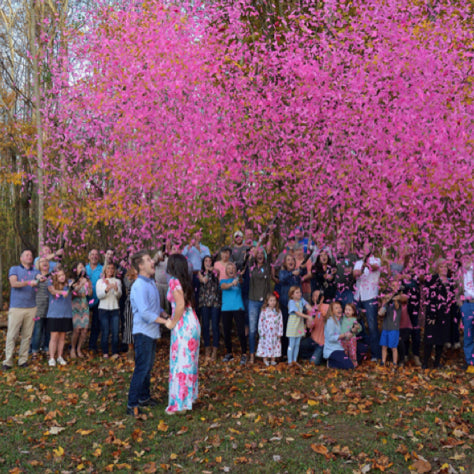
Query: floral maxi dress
x,y
270,330
80,308
184,356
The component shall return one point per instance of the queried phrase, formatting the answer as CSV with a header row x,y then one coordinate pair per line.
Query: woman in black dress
x,y
440,310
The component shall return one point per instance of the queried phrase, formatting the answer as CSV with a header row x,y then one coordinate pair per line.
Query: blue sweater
x,y
332,331
145,302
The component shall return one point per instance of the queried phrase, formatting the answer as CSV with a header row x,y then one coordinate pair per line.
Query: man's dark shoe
x,y
134,411
25,364
151,402
6,367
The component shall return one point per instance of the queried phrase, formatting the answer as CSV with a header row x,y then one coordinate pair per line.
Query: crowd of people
x,y
303,302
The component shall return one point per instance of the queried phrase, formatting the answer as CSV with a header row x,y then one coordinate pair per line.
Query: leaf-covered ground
x,y
250,419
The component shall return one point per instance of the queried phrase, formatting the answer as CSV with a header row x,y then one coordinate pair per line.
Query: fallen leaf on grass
x,y
321,449
137,435
58,453
162,426
297,395
451,443
84,432
421,466
344,451
54,430
150,468
183,430
124,466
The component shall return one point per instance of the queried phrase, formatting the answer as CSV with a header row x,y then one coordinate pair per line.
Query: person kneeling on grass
x,y
333,350
391,310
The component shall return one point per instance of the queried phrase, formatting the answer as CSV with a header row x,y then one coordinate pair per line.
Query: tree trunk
x,y
37,117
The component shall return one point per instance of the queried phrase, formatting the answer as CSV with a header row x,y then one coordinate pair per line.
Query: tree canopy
x,y
352,118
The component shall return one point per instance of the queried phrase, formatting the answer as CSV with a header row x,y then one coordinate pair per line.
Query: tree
x,y
29,31
359,115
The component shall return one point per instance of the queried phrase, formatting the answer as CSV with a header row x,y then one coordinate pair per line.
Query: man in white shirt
x,y
467,310
367,275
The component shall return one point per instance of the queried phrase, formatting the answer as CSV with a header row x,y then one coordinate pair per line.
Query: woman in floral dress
x,y
185,337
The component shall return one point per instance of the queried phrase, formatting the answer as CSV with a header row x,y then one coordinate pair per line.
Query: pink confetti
x,y
362,136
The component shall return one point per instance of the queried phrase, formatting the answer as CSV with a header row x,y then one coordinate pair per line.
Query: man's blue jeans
x,y
371,309
109,324
254,313
467,310
40,336
345,296
145,348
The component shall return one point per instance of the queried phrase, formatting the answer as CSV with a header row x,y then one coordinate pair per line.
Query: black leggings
x,y
427,354
239,317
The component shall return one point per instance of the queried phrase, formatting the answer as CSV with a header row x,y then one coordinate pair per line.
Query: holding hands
x,y
165,318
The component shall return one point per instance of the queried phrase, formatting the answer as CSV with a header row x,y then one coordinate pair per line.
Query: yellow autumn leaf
x,y
58,452
162,426
84,432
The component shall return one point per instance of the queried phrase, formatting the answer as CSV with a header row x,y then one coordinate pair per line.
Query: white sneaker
x,y
61,361
52,363
457,345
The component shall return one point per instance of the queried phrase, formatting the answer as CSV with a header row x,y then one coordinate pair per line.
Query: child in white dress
x,y
270,330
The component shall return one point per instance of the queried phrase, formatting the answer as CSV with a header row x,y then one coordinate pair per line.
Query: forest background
x,y
124,122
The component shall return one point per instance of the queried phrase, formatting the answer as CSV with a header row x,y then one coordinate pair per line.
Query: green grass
x,y
251,419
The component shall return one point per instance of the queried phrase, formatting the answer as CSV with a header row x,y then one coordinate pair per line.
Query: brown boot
x,y
417,361
214,354
207,354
